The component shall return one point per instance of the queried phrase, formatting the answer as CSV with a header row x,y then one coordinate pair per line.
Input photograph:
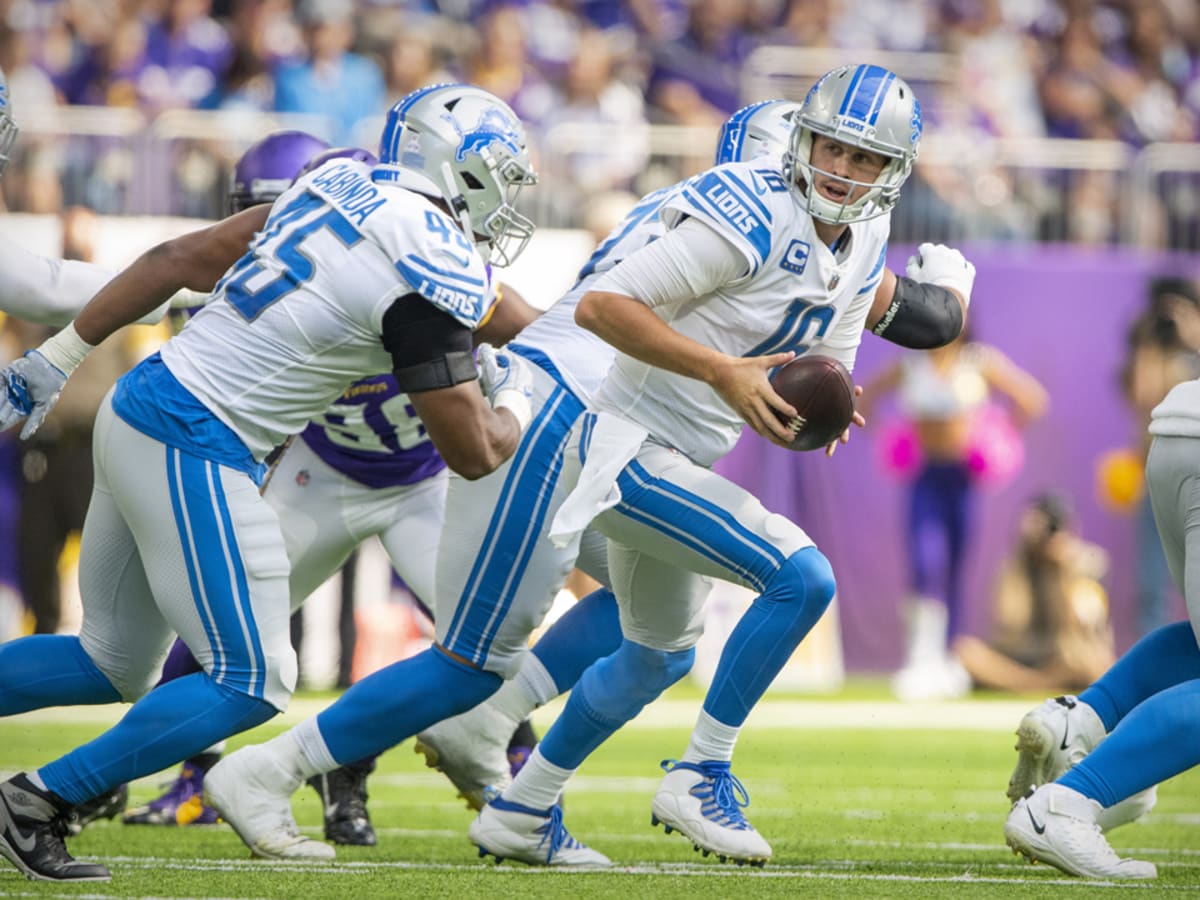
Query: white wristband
x,y
66,349
516,403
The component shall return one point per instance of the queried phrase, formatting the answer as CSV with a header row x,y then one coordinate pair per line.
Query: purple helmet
x,y
267,169
358,154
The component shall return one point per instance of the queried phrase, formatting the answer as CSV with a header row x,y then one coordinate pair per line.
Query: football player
x,y
1087,764
353,273
759,263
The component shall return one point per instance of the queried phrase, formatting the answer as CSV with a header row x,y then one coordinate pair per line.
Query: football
x,y
822,391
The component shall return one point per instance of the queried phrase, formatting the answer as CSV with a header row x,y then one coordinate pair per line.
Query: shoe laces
x,y
722,796
556,834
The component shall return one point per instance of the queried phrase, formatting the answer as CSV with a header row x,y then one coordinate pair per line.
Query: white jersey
x,y
1179,413
797,294
300,316
580,357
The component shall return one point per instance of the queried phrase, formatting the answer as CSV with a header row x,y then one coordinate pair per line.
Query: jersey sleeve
x,y
435,260
735,201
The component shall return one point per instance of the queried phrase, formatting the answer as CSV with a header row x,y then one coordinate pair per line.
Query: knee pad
x,y
805,576
619,686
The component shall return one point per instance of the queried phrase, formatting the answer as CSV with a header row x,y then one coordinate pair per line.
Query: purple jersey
x,y
372,434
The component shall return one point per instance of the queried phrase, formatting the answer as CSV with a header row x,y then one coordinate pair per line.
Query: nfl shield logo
x,y
833,282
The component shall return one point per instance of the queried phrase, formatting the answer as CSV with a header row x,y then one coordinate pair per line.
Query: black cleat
x,y
33,823
106,806
344,796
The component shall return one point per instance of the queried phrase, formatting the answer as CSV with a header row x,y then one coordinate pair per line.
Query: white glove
x,y
506,381
31,388
944,266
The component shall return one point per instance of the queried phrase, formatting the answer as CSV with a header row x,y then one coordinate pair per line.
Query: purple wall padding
x,y
1062,314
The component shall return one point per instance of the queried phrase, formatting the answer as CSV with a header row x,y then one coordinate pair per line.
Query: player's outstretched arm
x,y
196,261
927,308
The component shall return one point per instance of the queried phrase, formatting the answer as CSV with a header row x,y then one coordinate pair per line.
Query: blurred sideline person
x,y
1050,626
487,608
1090,763
759,264
178,538
1161,353
944,394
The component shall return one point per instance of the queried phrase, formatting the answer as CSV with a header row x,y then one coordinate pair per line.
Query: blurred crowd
x,y
587,76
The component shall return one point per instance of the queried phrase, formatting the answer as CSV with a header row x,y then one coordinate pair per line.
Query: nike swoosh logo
x,y
10,831
1066,731
1040,829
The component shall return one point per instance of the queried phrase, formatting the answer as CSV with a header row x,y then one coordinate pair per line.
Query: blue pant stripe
x,y
187,540
514,528
241,588
660,504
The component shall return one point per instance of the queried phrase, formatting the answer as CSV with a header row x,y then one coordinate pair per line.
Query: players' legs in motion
x,y
1150,699
471,748
171,543
483,626
676,526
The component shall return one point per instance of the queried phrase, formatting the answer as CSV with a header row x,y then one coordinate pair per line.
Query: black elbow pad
x,y
430,348
921,316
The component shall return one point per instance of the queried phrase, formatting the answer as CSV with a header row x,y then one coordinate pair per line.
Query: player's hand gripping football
x,y
31,388
857,420
943,266
742,382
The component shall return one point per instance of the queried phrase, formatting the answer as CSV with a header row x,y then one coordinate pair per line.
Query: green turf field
x,y
860,798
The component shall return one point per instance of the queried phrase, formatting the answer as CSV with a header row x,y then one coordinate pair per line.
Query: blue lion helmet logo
x,y
493,127
915,123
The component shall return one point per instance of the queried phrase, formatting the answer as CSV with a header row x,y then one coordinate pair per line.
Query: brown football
x,y
822,391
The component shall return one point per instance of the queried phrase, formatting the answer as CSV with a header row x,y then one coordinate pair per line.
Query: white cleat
x,y
703,802
537,837
1052,739
253,793
1057,825
471,750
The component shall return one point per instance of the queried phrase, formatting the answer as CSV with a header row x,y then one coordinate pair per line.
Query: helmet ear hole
x,y
471,181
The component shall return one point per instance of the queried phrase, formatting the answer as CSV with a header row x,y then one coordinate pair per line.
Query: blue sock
x,y
768,633
1163,658
49,670
1158,739
608,695
588,631
398,701
169,724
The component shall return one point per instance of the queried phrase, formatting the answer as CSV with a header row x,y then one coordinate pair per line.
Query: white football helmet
x,y
761,129
467,146
867,107
8,128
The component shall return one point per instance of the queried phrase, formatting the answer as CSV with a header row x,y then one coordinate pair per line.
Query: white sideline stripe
x,y
959,715
644,868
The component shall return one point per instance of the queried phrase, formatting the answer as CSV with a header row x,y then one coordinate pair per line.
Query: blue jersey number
x,y
297,265
803,324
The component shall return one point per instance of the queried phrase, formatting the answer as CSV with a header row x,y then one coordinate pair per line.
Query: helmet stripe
x,y
733,133
865,96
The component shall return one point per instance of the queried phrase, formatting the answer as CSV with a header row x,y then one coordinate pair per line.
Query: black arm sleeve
x,y
430,348
921,316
